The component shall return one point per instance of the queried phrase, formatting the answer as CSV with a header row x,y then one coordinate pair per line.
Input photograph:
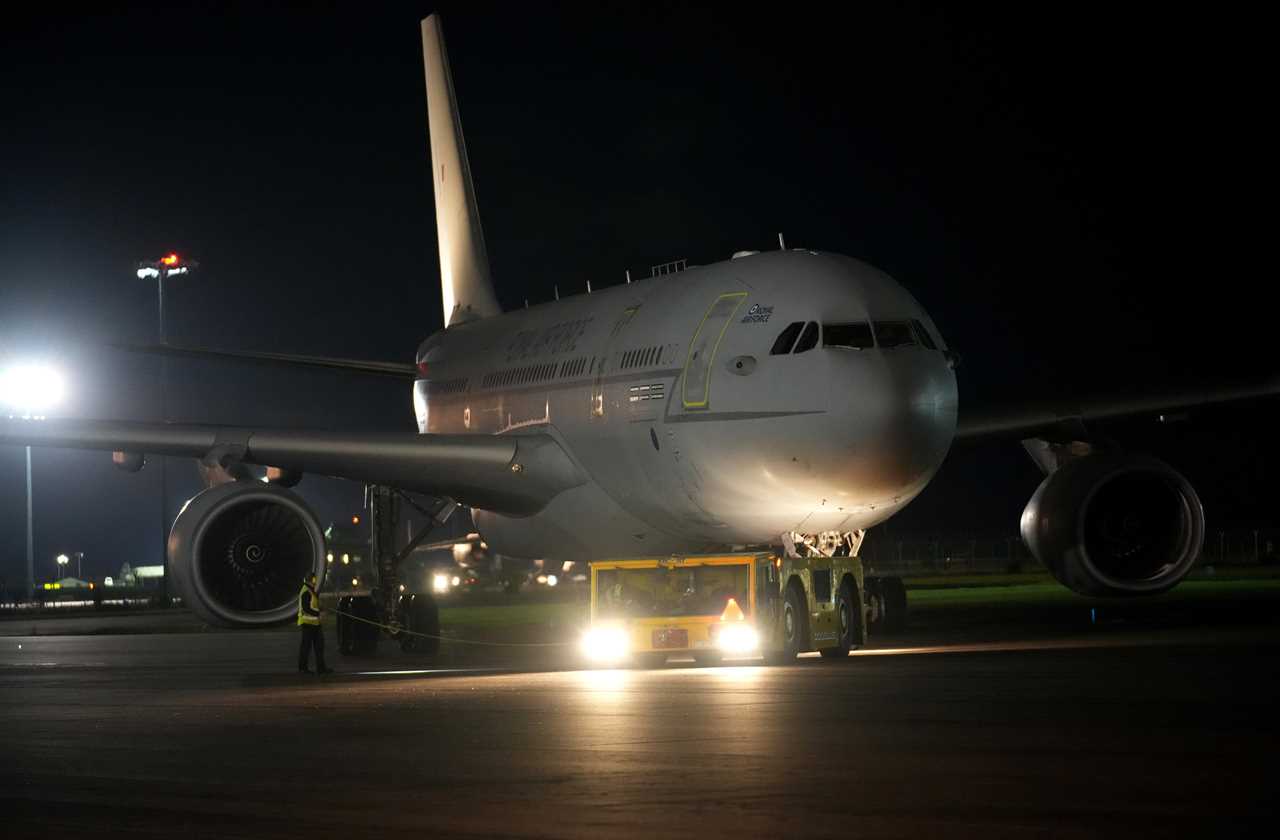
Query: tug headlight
x,y
440,583
737,638
605,644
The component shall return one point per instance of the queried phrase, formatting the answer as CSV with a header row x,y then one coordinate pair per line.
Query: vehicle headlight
x,y
440,583
737,638
604,644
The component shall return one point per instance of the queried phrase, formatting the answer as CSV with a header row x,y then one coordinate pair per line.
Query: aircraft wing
x,y
511,474
398,370
1052,421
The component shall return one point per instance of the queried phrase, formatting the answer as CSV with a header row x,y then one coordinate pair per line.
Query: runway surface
x,y
1158,732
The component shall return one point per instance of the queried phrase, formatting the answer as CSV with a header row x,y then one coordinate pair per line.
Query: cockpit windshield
x,y
851,336
676,591
894,334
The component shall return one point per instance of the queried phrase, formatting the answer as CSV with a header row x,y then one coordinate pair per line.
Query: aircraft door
x,y
695,393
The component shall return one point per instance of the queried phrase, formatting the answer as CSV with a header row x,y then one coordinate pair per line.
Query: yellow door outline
x,y
724,314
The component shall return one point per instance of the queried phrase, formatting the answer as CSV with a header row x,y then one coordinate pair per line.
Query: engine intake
x,y
239,552
1115,525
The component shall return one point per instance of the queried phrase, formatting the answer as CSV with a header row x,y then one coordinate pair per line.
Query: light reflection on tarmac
x,y
1145,732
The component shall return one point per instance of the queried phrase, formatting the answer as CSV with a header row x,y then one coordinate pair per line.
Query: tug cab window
x,y
894,334
849,336
808,338
786,338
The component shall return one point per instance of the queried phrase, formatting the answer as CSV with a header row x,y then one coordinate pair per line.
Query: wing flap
x,y
514,475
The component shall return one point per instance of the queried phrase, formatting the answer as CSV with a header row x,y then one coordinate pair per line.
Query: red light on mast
x,y
169,259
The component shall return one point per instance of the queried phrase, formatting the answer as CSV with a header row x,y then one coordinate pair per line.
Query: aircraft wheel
x,y
419,614
357,638
888,597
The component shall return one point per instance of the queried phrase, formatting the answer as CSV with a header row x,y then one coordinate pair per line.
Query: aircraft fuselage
x,y
694,436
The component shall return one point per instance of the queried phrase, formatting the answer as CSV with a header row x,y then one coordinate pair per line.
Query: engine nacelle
x,y
239,551
1115,525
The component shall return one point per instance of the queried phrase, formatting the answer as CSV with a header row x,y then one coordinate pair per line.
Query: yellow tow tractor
x,y
712,607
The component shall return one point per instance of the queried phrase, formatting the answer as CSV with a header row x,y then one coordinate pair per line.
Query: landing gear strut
x,y
389,604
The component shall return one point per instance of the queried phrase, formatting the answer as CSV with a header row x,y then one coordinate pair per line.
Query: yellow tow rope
x,y
395,628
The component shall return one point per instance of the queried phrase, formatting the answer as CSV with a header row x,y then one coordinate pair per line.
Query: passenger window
x,y
923,335
786,338
808,338
894,334
853,336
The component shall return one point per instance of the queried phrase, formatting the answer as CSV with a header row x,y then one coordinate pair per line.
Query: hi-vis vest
x,y
308,597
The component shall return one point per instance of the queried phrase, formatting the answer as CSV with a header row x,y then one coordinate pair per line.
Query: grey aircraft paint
x,y
721,445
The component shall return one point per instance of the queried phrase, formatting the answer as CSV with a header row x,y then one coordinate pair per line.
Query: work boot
x,y
304,670
324,670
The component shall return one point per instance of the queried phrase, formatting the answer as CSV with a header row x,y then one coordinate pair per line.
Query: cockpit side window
x,y
894,334
923,335
849,336
808,338
786,338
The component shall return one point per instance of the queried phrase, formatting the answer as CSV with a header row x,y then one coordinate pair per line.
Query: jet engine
x,y
1108,524
239,551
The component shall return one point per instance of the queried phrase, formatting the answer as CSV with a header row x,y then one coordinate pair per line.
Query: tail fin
x,y
464,266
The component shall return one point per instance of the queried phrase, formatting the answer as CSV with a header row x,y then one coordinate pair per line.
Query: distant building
x,y
67,583
148,577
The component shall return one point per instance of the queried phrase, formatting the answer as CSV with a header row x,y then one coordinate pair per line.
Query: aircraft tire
x,y
419,614
356,638
895,598
889,595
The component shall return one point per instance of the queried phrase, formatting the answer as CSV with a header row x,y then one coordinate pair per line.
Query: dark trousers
x,y
312,637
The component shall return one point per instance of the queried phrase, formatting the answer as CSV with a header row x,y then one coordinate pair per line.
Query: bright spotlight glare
x,y
552,580
605,644
440,583
31,389
737,638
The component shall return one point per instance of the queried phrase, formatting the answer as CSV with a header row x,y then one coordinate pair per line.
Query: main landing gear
x,y
410,618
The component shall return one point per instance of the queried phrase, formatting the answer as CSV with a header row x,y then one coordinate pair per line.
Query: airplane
x,y
789,399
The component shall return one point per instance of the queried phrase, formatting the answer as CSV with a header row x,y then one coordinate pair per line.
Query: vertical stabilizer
x,y
465,283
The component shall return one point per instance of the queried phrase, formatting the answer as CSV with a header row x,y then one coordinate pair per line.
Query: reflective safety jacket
x,y
308,607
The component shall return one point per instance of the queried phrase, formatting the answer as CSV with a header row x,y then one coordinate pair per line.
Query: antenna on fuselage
x,y
588,287
628,275
782,243
557,291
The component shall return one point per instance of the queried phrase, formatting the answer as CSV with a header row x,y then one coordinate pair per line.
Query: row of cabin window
x,y
520,376
856,336
573,367
641,358
451,386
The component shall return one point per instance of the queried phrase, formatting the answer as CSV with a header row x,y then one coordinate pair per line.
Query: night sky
x,y
1070,192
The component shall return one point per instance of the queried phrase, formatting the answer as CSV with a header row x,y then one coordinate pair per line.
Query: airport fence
x,y
1007,554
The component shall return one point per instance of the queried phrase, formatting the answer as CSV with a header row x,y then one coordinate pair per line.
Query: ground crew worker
x,y
309,622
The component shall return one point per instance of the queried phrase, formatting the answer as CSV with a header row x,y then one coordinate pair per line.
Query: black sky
x,y
1072,192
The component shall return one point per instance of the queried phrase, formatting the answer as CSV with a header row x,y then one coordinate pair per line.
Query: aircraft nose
x,y
898,416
